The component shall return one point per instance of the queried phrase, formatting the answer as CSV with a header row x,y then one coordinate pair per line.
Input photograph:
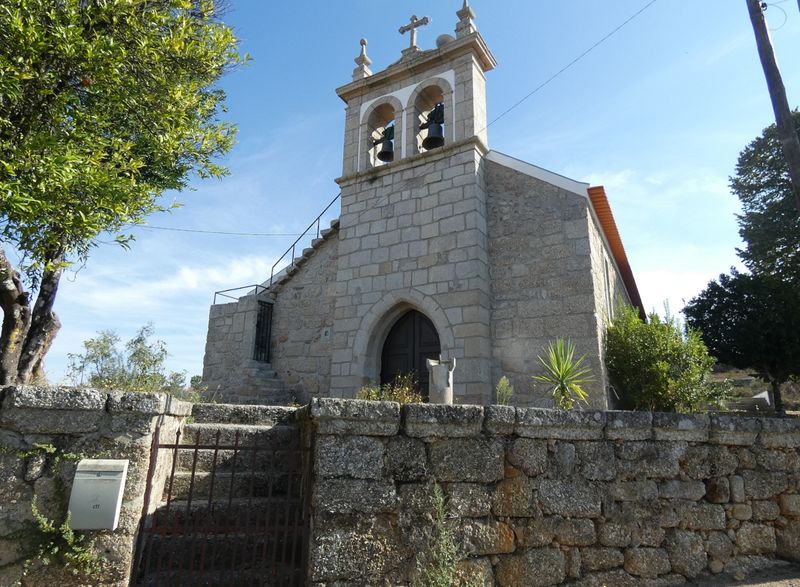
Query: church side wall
x,y
302,324
609,289
542,284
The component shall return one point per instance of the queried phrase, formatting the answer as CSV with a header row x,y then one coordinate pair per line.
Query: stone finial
x,y
466,23
363,62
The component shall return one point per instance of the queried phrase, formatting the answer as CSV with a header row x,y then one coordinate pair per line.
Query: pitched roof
x,y
597,196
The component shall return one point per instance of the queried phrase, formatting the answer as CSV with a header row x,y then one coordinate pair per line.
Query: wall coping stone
x,y
70,399
499,419
343,416
733,430
629,425
675,426
780,432
43,397
560,424
454,421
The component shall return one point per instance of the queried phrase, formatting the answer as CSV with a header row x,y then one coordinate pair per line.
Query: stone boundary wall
x,y
90,424
543,497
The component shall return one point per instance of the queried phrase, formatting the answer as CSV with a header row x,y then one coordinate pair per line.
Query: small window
x,y
263,332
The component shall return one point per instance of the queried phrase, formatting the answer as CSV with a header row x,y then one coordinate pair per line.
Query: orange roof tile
x,y
602,208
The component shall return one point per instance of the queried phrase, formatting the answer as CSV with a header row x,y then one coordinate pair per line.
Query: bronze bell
x,y
386,154
435,137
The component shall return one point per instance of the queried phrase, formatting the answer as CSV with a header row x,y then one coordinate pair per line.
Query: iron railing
x,y
233,513
292,248
254,289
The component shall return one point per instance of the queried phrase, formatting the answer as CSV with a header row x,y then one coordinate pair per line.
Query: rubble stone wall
x,y
543,497
44,432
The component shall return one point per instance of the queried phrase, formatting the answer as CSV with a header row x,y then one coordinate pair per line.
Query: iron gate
x,y
231,514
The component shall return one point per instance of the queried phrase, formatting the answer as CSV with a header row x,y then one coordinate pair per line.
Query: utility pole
x,y
777,93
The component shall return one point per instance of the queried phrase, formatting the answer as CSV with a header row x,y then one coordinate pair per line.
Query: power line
x,y
574,61
221,232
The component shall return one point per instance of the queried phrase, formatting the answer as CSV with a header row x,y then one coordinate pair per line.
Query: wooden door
x,y
411,341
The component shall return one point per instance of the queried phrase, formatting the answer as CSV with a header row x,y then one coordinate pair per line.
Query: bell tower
x,y
413,228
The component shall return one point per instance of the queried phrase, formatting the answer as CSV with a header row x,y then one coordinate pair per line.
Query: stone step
x,y
268,576
221,486
235,514
241,462
269,437
238,414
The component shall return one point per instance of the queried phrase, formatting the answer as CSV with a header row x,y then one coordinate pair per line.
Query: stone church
x,y
443,248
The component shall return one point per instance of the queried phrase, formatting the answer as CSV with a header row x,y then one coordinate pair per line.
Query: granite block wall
x,y
38,426
541,497
302,324
541,263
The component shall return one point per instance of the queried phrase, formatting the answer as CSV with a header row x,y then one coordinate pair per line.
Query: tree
x,y
140,367
769,224
653,365
104,105
751,322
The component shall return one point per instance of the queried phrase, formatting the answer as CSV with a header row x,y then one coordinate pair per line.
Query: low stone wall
x,y
44,431
542,497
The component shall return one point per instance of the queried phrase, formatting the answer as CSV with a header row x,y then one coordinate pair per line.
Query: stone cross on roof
x,y
412,26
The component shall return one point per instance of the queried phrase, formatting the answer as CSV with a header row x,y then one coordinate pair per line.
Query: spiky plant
x,y
565,374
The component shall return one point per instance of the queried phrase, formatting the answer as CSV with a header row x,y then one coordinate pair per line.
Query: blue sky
x,y
657,114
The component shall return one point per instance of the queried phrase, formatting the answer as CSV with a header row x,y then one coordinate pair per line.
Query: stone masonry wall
x,y
89,424
541,497
302,324
413,236
229,370
541,270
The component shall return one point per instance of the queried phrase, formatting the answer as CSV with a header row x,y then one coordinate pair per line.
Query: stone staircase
x,y
232,511
261,386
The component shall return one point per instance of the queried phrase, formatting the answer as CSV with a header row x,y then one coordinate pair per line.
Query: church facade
x,y
443,249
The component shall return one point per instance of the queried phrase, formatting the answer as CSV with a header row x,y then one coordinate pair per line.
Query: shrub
x,y
564,374
403,389
654,365
503,392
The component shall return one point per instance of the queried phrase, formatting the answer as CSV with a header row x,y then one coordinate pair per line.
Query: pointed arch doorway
x,y
411,341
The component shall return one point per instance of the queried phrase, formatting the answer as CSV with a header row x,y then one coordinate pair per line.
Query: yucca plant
x,y
565,374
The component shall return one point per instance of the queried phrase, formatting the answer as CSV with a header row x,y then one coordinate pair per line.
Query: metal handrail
x,y
224,292
305,232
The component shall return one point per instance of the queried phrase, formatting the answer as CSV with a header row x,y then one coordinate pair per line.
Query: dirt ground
x,y
781,575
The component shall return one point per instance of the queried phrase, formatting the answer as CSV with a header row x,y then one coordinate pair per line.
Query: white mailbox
x,y
96,496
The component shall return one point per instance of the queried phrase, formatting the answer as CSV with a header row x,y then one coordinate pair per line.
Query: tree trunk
x,y
44,326
15,303
27,333
777,93
777,398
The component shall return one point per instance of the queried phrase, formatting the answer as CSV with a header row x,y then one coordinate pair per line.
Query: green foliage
x,y
654,366
769,223
58,544
44,541
104,105
140,367
403,389
564,374
437,566
503,392
751,322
